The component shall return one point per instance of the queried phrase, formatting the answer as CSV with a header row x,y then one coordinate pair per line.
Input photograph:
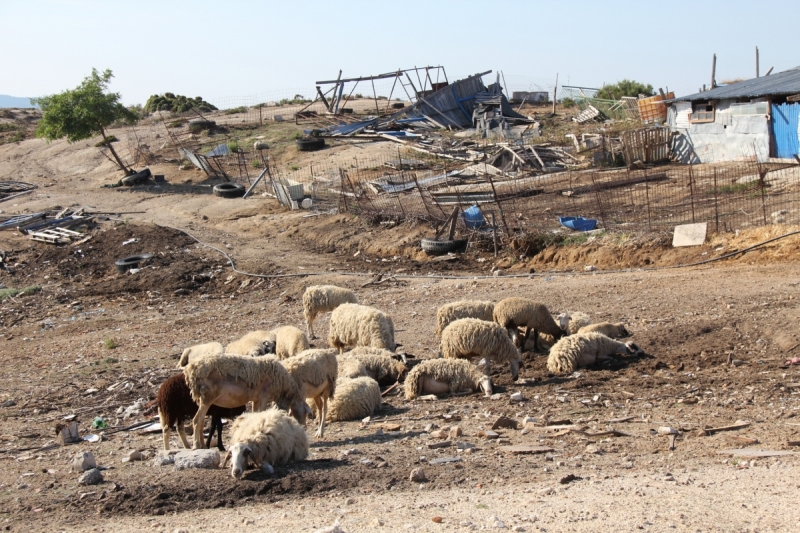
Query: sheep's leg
x,y
197,423
216,424
267,468
322,407
165,429
310,326
535,338
182,434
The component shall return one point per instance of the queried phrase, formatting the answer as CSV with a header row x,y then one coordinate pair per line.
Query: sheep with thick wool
x,y
199,350
175,405
361,325
569,322
379,363
319,299
350,367
516,312
584,349
355,399
608,329
466,338
265,438
440,376
315,372
288,341
463,309
233,380
255,343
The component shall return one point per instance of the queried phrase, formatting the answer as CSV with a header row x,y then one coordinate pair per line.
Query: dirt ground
x,y
92,342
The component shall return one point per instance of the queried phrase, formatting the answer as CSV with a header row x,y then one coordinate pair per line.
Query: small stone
x,y
248,521
516,397
376,523
518,528
163,458
455,431
549,457
497,273
185,459
350,501
83,461
180,530
134,456
91,477
430,427
669,477
8,403
438,434
496,396
546,491
496,523
560,463
418,475
528,420
437,519
591,448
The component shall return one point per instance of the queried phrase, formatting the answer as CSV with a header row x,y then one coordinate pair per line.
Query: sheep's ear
x,y
247,451
227,457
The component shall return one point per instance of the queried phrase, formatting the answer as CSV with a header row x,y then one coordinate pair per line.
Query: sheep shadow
x,y
285,471
364,439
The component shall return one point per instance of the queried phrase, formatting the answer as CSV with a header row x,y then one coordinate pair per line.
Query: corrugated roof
x,y
452,105
786,82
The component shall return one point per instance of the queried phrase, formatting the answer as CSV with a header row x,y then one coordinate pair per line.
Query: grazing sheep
x,y
321,299
175,405
350,367
355,399
608,329
380,364
469,337
265,438
462,309
360,325
233,380
315,372
253,344
199,350
439,376
515,312
288,341
584,349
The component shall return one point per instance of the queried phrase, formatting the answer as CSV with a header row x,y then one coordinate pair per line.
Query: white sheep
x,y
466,338
360,325
584,349
199,350
379,363
608,329
253,344
231,381
571,322
350,367
265,438
440,376
288,341
355,399
315,372
516,312
463,309
321,299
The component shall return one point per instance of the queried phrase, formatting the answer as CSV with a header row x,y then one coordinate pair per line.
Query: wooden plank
x,y
525,448
750,452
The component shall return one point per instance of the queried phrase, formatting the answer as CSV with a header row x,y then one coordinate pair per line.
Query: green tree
x,y
625,88
84,112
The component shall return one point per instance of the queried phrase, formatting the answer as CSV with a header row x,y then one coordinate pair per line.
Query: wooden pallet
x,y
55,235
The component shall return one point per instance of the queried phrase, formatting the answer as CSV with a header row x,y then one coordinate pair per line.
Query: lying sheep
x,y
355,399
462,309
572,322
608,329
264,439
199,350
440,376
253,344
321,299
515,312
469,337
233,380
175,405
380,364
584,349
315,372
288,341
360,325
350,367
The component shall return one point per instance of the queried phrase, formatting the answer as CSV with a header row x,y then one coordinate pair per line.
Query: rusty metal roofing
x,y
786,82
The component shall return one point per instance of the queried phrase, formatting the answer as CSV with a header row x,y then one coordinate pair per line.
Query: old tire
x,y
398,105
135,178
198,125
228,190
309,145
127,263
434,247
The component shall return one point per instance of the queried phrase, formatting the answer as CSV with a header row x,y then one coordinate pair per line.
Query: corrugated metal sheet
x,y
452,105
786,82
785,129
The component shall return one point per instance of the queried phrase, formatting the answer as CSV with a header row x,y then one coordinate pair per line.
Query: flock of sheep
x,y
278,371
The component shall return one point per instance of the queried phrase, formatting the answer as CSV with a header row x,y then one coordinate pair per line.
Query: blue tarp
x,y
578,223
219,151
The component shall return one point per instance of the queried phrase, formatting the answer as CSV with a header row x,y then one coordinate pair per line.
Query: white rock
x,y
91,477
417,475
496,523
196,459
516,397
666,430
83,461
163,459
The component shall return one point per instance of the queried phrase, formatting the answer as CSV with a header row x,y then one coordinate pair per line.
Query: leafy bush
x,y
176,104
7,126
234,110
567,102
625,88
233,146
10,293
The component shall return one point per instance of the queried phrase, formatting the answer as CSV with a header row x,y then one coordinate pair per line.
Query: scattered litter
x,y
99,423
93,438
443,460
525,448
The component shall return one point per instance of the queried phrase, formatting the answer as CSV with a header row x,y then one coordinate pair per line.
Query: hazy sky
x,y
230,48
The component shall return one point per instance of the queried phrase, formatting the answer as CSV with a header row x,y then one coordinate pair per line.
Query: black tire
x,y
127,263
346,111
229,190
201,124
398,105
136,178
310,145
434,247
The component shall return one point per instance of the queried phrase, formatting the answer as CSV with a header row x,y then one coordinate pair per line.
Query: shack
x,y
755,119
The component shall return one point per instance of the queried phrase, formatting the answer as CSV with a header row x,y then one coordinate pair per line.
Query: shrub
x,y
233,147
567,102
10,292
625,88
176,104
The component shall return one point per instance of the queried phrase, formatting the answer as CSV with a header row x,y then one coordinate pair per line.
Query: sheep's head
x,y
515,368
622,331
268,346
299,409
633,348
240,455
563,321
486,385
401,369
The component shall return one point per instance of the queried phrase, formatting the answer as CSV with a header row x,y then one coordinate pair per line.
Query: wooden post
x,y
260,121
555,92
714,71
